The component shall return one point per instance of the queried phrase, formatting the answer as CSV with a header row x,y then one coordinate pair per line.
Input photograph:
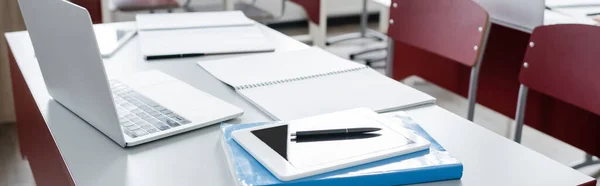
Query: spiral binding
x,y
297,78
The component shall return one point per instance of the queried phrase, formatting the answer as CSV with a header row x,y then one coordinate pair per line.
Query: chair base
x,y
589,160
369,33
369,61
356,54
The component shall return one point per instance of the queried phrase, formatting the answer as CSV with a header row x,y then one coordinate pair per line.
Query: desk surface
x,y
195,158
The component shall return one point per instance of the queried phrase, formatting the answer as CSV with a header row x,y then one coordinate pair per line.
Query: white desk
x,y
195,158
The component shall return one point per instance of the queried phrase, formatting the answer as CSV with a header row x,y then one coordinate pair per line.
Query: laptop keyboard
x,y
140,116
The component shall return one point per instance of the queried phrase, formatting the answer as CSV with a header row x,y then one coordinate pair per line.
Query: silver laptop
x,y
133,110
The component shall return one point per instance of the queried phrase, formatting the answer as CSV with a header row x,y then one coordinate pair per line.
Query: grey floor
x,y
15,171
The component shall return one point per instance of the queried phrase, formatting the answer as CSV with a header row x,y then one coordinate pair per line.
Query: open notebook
x,y
199,33
298,84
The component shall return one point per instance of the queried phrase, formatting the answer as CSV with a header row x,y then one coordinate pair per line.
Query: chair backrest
x,y
312,8
563,61
455,29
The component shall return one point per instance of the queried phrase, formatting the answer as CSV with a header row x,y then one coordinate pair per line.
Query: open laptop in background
x,y
199,33
131,111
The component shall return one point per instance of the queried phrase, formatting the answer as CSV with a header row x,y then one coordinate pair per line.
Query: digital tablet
x,y
111,39
290,157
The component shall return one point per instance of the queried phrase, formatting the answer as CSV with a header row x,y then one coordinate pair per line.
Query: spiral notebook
x,y
303,83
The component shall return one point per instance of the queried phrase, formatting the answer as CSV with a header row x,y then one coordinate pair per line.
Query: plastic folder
x,y
434,164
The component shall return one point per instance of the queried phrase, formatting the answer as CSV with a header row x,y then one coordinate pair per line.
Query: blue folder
x,y
434,164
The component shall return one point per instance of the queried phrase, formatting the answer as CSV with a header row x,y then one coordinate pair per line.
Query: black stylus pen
x,y
173,56
334,132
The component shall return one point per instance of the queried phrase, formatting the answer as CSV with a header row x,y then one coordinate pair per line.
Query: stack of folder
x,y
199,33
435,164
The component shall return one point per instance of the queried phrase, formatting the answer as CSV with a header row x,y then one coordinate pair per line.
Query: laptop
x,y
133,110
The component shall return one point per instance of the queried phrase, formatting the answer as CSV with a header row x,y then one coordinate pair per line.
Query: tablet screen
x,y
303,153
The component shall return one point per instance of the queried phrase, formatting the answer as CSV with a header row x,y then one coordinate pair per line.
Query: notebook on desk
x,y
195,34
298,84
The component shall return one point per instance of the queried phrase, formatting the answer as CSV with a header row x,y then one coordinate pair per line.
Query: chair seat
x,y
140,5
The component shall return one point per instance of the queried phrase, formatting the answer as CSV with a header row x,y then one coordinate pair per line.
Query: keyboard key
x,y
141,98
178,118
157,124
185,121
139,132
141,122
154,121
171,115
172,123
133,127
129,133
160,108
162,126
142,115
146,108
154,113
136,111
163,119
126,124
146,126
129,116
128,106
152,130
151,103
166,112
135,120
133,94
150,119
120,101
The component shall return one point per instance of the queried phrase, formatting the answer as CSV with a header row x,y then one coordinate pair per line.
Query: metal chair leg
x,y
520,115
370,34
473,91
354,55
186,6
365,32
475,75
389,62
587,162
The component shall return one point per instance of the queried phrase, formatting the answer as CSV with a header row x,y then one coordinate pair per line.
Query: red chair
x,y
456,29
317,24
562,62
311,7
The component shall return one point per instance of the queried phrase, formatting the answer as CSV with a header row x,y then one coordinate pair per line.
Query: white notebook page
x,y
310,97
268,67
